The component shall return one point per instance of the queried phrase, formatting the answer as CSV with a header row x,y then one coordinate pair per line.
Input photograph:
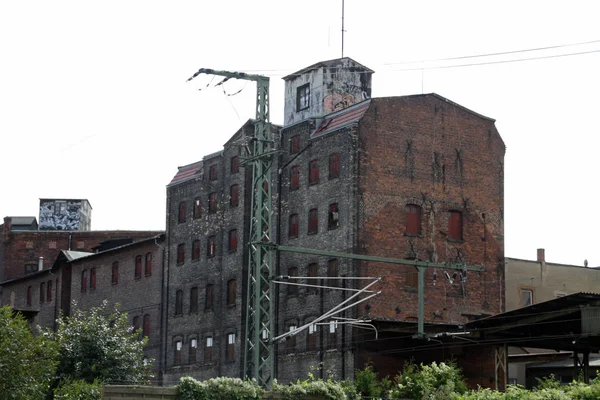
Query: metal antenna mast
x,y
258,352
343,28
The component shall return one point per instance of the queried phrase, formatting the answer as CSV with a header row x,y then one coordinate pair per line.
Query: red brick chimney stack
x,y
6,229
541,255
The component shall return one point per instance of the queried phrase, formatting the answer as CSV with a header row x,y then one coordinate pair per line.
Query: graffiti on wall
x,y
62,215
344,94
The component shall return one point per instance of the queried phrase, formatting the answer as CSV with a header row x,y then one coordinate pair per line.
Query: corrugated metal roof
x,y
341,119
186,173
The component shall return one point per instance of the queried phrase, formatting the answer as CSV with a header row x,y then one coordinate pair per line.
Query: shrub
x,y
432,382
78,390
316,387
222,388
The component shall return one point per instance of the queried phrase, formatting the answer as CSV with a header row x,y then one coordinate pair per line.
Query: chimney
x,y
6,228
541,255
41,264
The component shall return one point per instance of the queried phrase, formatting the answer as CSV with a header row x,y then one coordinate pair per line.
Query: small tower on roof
x,y
325,87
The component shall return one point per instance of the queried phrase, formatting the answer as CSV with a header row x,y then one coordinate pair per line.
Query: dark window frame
x,y
212,172
413,217
313,221
148,265
146,326
29,295
197,208
233,240
196,250
138,267
211,247
313,172
209,296
231,292
294,144
333,271
235,165
182,212
312,272
234,196
294,177
92,278
303,97
179,302
212,203
192,351
334,166
180,253
49,291
293,228
42,291
311,337
114,279
209,343
194,300
177,355
333,217
455,225
84,280
230,349
292,290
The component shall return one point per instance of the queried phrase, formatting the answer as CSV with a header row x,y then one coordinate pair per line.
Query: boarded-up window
x,y
333,272
179,302
233,240
93,278
455,225
235,164
146,329
294,177
148,266
334,166
83,281
234,196
136,324
332,337
311,339
193,300
231,347
196,250
413,220
49,289
313,173
115,273
182,209
42,291
212,173
208,297
180,253
138,267
293,228
294,144
290,343
208,346
231,292
313,221
212,203
313,272
192,351
177,360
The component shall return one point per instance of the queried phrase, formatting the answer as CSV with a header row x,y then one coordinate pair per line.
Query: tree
x,y
100,345
27,362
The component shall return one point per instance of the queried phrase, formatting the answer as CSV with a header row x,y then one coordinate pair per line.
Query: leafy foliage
x,y
27,362
316,387
100,345
432,382
368,384
222,388
78,390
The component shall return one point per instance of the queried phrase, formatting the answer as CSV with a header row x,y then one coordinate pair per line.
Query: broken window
x,y
294,177
208,345
413,220
192,351
313,221
311,339
177,360
455,225
303,97
293,228
197,207
332,339
290,343
333,220
211,247
313,175
334,166
526,297
231,347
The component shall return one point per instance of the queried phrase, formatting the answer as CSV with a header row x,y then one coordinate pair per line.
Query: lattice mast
x,y
258,351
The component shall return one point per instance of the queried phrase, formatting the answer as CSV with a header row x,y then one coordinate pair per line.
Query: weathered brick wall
x,y
136,296
307,304
25,247
222,319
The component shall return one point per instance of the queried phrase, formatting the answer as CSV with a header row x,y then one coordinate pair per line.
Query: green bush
x,y
432,382
316,387
366,383
78,390
222,388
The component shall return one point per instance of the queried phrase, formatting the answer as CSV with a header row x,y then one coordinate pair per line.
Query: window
x,y
211,247
293,228
455,225
311,339
303,97
192,352
313,221
138,267
193,300
290,344
295,177
30,268
197,207
233,196
332,272
179,302
313,172
212,203
83,281
294,144
49,289
233,240
208,345
180,253
526,297
235,164
231,290
29,295
196,250
313,272
332,339
93,278
148,266
231,347
136,324
177,360
333,218
208,297
146,329
212,173
334,166
42,291
115,273
181,212
413,220
292,290
412,277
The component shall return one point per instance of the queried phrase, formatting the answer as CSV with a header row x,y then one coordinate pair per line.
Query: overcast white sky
x,y
94,104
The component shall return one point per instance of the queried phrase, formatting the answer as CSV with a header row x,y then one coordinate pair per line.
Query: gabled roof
x,y
341,119
328,63
186,173
74,255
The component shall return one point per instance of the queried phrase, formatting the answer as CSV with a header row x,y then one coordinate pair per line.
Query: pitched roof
x,y
22,220
74,255
328,63
186,173
341,119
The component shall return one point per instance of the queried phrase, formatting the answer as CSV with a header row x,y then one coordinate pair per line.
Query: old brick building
x,y
413,177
